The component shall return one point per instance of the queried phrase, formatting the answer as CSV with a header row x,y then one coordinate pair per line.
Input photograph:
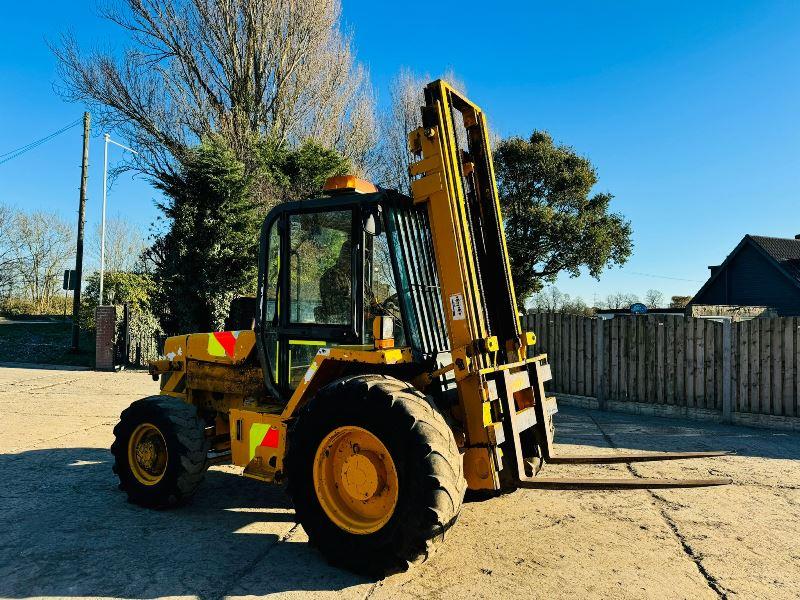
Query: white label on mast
x,y
457,307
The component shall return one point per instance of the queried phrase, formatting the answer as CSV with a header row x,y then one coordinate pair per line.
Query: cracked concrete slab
x,y
68,532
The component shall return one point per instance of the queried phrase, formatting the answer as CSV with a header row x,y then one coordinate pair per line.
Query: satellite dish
x,y
637,308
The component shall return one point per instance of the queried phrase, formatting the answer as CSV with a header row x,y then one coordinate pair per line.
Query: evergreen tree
x,y
214,209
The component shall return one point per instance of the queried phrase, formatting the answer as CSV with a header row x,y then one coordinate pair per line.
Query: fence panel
x,y
674,360
790,366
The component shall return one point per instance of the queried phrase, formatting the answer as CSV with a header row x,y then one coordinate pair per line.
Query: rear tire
x,y
423,452
160,451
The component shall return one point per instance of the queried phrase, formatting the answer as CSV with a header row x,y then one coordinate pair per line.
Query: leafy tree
x,y
679,301
214,208
135,289
552,220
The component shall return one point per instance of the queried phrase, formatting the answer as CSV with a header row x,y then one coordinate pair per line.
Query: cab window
x,y
271,310
321,269
380,290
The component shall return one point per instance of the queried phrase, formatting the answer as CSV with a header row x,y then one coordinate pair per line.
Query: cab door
x,y
312,294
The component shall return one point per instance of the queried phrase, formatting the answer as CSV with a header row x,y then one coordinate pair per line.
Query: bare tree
x,y
278,68
620,300
653,298
7,272
42,245
125,244
406,97
551,299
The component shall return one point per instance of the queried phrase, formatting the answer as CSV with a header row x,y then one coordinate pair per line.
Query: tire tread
x,y
187,429
442,475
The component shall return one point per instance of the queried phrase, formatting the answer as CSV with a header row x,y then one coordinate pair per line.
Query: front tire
x,y
374,473
160,451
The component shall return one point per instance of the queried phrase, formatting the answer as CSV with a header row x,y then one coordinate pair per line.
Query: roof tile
x,y
784,250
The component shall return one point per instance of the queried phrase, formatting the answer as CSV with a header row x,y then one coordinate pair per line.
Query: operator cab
x,y
330,265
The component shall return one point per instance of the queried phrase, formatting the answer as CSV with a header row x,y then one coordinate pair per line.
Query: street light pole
x,y
107,139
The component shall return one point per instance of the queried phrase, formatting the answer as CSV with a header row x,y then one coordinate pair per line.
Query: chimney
x,y
713,269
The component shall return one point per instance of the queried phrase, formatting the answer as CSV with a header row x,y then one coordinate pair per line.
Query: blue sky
x,y
689,110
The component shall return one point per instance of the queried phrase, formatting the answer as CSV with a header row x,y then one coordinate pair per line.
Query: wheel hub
x,y
360,477
355,480
147,454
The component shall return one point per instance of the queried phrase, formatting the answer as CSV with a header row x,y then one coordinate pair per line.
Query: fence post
x,y
727,363
601,368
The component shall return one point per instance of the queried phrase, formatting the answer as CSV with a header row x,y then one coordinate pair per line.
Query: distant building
x,y
760,272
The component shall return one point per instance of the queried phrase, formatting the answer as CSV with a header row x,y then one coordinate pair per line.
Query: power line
x,y
12,154
42,140
665,277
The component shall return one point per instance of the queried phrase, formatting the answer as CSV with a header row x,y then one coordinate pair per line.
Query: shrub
x,y
134,289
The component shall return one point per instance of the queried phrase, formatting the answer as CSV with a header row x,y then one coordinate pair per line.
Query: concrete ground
x,y
68,532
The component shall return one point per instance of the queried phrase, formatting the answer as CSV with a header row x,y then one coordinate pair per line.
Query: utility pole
x,y
76,298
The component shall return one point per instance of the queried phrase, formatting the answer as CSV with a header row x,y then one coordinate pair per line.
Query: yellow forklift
x,y
385,371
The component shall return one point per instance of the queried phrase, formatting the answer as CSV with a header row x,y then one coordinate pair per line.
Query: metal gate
x,y
137,342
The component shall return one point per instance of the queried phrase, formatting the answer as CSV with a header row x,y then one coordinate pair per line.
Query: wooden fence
x,y
743,367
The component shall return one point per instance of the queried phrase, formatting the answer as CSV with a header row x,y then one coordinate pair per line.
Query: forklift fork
x,y
528,410
602,459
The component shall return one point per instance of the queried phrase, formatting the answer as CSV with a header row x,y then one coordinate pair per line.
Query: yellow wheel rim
x,y
147,454
355,480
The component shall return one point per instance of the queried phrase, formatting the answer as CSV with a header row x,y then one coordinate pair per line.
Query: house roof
x,y
784,253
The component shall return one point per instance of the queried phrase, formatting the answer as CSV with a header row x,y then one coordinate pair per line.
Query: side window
x,y
271,298
320,269
273,266
380,290
301,355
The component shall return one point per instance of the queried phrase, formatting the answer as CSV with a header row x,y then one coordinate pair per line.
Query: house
x,y
761,271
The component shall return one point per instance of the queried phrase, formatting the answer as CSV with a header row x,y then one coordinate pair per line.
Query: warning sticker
x,y
457,307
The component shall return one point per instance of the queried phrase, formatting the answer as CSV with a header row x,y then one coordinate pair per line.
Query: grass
x,y
44,343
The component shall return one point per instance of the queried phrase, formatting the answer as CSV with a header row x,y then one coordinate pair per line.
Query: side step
x,y
608,459
557,483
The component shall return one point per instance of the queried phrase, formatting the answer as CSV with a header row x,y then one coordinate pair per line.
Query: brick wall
x,y
105,319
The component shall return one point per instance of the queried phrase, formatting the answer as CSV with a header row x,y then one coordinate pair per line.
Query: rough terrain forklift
x,y
386,371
